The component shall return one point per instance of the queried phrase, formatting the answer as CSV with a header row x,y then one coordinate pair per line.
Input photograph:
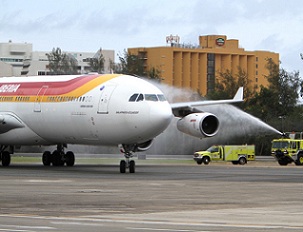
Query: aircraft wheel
x,y
46,158
70,158
242,161
132,166
6,158
206,160
57,159
122,166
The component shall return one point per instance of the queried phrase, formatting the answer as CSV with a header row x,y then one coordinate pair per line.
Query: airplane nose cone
x,y
161,116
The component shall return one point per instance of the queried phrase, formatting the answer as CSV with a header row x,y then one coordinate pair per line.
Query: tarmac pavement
x,y
260,196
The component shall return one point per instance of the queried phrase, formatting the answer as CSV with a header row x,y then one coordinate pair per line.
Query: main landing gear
x,y
58,157
5,156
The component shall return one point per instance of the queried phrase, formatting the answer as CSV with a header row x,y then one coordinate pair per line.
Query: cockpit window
x,y
161,97
136,97
140,98
133,97
151,97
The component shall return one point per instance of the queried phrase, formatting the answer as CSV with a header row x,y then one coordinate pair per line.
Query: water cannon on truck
x,y
237,154
288,149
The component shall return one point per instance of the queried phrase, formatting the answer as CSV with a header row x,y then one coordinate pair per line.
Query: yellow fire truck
x,y
237,154
288,149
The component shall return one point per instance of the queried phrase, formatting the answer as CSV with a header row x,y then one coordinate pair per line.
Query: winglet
x,y
239,95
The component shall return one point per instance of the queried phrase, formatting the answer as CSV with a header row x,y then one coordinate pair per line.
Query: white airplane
x,y
93,109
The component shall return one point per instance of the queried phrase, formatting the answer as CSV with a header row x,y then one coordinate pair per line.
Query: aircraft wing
x,y
183,108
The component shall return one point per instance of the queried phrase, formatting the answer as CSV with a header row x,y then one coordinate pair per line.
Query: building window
x,y
43,73
210,56
210,72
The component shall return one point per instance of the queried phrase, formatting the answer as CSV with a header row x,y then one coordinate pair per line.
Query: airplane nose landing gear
x,y
127,163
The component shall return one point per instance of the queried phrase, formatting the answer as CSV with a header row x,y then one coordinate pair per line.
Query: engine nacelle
x,y
125,148
144,146
199,125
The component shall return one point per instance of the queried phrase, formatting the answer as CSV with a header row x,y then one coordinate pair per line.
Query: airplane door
x,y
104,99
40,94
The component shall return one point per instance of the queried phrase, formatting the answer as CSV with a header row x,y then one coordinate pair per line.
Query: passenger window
x,y
151,97
161,97
133,97
140,98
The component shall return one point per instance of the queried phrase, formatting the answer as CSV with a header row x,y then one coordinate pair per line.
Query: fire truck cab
x,y
288,149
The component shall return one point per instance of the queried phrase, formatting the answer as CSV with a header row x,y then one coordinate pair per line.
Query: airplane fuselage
x,y
109,109
89,109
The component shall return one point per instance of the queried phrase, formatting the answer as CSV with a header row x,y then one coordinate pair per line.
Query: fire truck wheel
x,y
282,162
206,160
242,161
300,159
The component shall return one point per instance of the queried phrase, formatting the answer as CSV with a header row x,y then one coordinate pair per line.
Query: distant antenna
x,y
173,39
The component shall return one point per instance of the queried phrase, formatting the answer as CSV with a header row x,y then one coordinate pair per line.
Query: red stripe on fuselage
x,y
54,88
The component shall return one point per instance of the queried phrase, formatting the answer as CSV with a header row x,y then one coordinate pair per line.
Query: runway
x,y
158,197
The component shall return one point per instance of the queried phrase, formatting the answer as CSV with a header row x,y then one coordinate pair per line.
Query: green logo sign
x,y
220,41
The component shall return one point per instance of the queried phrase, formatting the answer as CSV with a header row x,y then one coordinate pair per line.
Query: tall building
x,y
196,67
18,59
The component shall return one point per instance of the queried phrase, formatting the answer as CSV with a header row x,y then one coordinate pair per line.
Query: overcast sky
x,y
273,25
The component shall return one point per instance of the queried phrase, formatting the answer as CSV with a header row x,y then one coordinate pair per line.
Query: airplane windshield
x,y
140,98
133,97
161,97
150,97
136,97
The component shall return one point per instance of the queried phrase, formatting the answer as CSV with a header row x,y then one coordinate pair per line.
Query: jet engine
x,y
199,125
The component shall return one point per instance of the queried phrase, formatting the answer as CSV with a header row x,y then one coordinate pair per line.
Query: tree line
x,y
61,63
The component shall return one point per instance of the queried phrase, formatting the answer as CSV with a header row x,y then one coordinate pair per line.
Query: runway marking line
x,y
24,228
13,230
154,222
